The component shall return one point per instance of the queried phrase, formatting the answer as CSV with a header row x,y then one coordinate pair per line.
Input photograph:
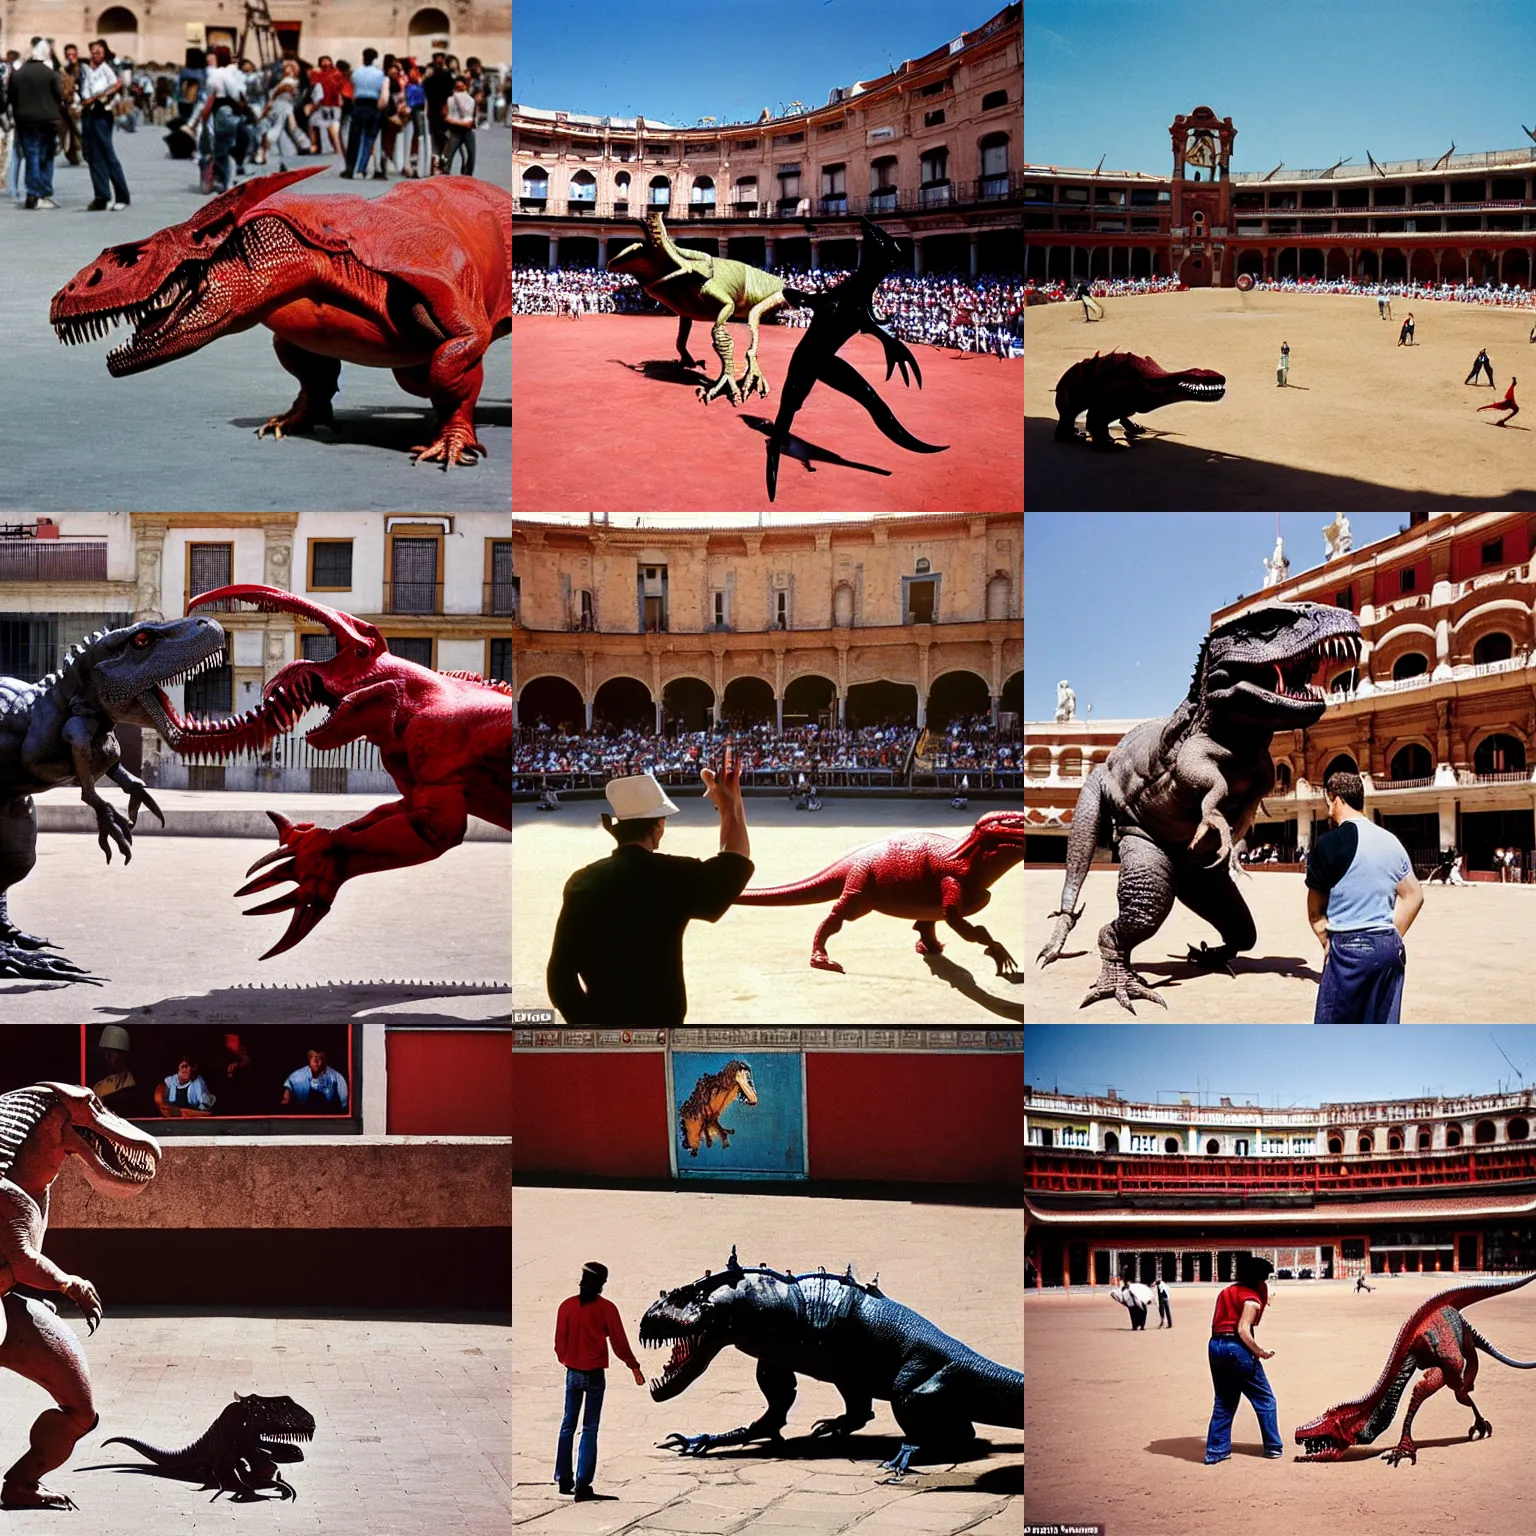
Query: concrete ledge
x,y
298,1183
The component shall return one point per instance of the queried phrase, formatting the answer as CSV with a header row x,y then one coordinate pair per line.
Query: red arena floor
x,y
606,420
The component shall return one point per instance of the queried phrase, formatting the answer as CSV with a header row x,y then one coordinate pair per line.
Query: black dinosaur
x,y
1177,793
839,314
1114,386
61,731
836,1329
240,1451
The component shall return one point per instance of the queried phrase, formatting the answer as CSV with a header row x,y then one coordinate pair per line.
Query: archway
x,y
999,594
956,694
1012,699
1421,266
749,701
687,704
1367,268
118,28
1409,664
808,699
551,701
624,703
881,703
1310,262
429,32
1394,267
1411,762
659,193
578,251
582,197
1251,262
535,188
1342,763
530,250
1492,648
1499,753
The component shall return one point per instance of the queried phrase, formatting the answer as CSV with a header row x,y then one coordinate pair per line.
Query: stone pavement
x,y
168,927
961,1266
753,966
182,437
411,1421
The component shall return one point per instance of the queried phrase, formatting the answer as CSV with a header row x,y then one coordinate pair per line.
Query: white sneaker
x,y
116,207
46,202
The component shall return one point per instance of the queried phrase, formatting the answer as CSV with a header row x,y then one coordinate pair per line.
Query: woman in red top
x,y
1506,404
1235,1359
584,1325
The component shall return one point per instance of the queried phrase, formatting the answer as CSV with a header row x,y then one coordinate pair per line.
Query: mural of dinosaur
x,y
699,1118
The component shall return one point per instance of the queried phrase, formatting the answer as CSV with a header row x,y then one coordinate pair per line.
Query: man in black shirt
x,y
618,950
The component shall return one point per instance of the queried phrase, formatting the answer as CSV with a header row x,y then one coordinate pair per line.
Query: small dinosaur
x,y
240,1451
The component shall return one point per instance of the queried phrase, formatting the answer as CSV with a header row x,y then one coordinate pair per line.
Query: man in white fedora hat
x,y
618,951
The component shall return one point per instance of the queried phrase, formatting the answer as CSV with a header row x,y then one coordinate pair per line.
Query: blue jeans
x,y
363,131
579,1384
226,129
1237,1374
107,179
1362,978
37,145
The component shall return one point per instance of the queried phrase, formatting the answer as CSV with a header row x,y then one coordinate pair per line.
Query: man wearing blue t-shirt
x,y
1362,898
317,1088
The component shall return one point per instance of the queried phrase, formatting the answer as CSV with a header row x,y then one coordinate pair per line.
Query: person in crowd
x,y
223,111
278,122
1480,364
184,1093
459,115
1237,1362
437,83
1164,1314
367,87
317,1089
414,151
100,86
585,1325
37,102
1362,898
69,121
325,111
235,1071
114,1045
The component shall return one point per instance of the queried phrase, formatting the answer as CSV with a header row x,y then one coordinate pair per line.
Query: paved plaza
x,y
753,966
183,437
1468,957
169,934
411,1421
961,1266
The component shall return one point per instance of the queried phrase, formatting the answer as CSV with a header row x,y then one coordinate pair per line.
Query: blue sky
x,y
1118,602
676,62
1304,82
1276,1065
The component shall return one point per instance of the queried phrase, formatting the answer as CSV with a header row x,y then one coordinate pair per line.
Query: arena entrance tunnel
x,y
749,701
881,703
530,250
551,701
578,250
810,700
624,702
688,703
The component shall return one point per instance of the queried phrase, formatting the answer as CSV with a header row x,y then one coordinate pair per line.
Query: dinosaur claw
x,y
280,852
821,961
267,881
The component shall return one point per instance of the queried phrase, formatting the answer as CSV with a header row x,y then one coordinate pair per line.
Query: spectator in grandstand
x,y
617,956
1135,1299
1480,364
1360,1284
1164,1315
1362,897
1236,1361
1506,404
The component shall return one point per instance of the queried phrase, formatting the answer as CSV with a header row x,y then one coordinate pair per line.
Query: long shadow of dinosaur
x,y
962,981
805,451
333,1002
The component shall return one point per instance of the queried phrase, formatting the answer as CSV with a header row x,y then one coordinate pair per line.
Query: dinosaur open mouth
x,y
127,1162
292,1436
1202,391
1320,1448
169,304
279,711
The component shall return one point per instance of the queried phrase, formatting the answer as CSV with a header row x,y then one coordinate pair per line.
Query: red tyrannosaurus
x,y
1437,1340
418,281
923,875
445,738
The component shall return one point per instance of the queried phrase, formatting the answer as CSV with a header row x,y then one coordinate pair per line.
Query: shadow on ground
x,y
962,981
333,1002
1192,1448
400,429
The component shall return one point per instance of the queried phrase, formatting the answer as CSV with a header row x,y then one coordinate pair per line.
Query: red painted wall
x,y
950,1119
591,1113
445,1082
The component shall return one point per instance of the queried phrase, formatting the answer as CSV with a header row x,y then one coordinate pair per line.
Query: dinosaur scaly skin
x,y
445,738
1177,793
924,875
240,1451
40,1127
836,1329
1114,387
1437,1340
59,731
697,286
418,281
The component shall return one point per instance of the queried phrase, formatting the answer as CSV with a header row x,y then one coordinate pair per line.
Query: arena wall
x,y
590,1114
449,1082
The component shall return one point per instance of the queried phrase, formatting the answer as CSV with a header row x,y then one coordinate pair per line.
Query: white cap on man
x,y
638,798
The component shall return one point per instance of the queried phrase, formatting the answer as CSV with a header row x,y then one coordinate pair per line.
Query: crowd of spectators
x,y
1059,292
979,314
971,742
391,114
1504,294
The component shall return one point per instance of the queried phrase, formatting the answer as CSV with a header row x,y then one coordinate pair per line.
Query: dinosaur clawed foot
x,y
897,1465
1006,964
299,419
925,948
305,855
1480,1430
752,382
822,961
1119,981
1065,922
724,385
21,960
1208,959
20,1495
454,445
1404,1449
700,1445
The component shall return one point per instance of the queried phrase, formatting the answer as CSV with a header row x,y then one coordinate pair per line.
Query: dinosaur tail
x,y
153,1452
800,893
1499,1355
998,1397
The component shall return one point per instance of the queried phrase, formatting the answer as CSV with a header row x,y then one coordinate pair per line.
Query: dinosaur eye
x,y
141,639
361,652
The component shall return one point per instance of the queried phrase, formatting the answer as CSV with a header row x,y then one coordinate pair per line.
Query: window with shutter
x,y
413,576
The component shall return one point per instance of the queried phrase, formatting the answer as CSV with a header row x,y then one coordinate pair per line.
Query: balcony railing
x,y
497,600
413,597
1422,783
1510,776
581,207
53,560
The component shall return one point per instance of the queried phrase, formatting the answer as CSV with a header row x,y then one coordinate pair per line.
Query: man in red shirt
x,y
1236,1361
583,1327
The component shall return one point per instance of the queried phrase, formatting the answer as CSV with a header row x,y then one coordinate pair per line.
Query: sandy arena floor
x,y
1115,1422
961,1266
1468,957
1363,424
753,966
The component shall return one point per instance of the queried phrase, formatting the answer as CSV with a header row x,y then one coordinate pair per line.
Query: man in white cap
x,y
114,1046
618,951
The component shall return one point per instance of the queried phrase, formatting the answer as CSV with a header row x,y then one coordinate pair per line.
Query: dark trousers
x,y
460,140
107,179
363,131
1138,1317
579,1385
37,144
1362,978
1478,367
226,130
1163,1314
